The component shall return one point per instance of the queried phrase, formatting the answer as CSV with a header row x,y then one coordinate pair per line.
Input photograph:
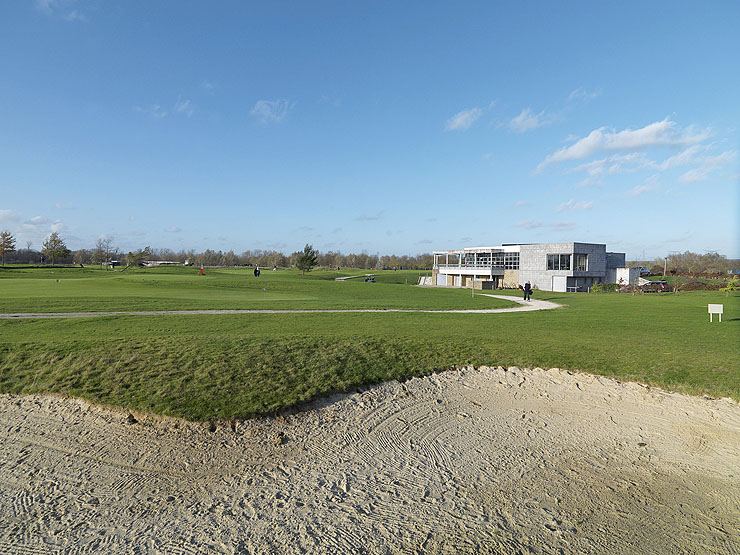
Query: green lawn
x,y
179,288
206,366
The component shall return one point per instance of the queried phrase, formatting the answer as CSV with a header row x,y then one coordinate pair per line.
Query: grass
x,y
203,367
179,288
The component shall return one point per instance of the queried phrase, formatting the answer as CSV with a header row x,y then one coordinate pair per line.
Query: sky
x,y
384,127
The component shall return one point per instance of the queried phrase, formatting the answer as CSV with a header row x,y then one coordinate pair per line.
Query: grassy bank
x,y
226,366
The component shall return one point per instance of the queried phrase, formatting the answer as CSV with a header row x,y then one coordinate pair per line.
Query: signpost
x,y
715,309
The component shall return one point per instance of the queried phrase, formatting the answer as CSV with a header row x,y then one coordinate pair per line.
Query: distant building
x,y
547,266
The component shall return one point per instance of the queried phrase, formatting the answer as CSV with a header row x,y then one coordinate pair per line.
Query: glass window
x,y
558,262
580,262
511,261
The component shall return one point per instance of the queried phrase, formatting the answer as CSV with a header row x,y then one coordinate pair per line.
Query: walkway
x,y
526,307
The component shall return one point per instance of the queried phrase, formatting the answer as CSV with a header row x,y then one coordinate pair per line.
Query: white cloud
x,y
57,226
528,121
184,106
46,6
555,226
37,220
659,133
370,218
649,185
522,203
207,85
582,94
155,111
271,111
64,206
611,165
54,7
8,216
573,205
686,156
172,229
75,15
463,120
708,165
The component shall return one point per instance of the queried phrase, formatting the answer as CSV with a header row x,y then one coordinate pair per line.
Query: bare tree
x,y
103,251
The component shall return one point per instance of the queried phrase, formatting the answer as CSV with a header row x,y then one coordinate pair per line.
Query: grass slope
x,y
227,366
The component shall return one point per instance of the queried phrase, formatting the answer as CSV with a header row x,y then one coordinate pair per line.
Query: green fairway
x,y
179,288
225,366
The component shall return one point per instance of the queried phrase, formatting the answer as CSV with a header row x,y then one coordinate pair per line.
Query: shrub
x,y
604,287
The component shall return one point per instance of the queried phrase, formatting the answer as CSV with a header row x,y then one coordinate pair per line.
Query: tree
x,y
7,244
138,257
54,247
307,259
103,251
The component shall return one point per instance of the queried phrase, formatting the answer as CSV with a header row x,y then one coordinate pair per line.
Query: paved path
x,y
525,307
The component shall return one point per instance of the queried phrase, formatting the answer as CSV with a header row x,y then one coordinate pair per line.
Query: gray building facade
x,y
546,266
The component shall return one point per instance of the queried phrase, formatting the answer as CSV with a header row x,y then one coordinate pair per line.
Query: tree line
x,y
105,252
690,263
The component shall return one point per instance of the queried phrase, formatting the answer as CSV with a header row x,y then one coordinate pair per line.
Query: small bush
x,y
604,287
697,285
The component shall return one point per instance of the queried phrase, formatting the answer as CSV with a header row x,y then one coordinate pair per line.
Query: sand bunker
x,y
470,461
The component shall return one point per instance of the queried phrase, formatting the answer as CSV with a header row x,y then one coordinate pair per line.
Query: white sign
x,y
715,309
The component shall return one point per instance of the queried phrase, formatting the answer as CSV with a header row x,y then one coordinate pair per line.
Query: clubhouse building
x,y
546,266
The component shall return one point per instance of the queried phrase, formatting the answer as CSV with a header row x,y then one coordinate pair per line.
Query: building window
x,y
558,262
580,262
511,261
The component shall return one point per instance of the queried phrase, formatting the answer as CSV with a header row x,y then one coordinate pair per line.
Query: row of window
x,y
563,262
510,260
505,260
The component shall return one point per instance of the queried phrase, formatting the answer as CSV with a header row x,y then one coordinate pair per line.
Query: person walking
x,y
527,291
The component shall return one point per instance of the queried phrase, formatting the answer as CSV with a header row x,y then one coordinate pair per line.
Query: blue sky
x,y
388,127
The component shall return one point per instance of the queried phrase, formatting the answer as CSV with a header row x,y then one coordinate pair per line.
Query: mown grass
x,y
202,367
179,288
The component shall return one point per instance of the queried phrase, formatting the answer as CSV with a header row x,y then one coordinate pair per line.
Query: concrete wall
x,y
533,263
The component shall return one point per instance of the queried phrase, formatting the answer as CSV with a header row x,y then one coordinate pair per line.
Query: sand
x,y
481,460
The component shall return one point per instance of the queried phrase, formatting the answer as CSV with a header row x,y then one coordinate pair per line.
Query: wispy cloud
x,y
37,220
708,164
463,120
271,111
582,94
75,15
555,226
529,121
184,106
657,134
574,205
8,216
522,204
153,110
172,229
208,86
64,206
650,184
62,8
611,165
369,218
